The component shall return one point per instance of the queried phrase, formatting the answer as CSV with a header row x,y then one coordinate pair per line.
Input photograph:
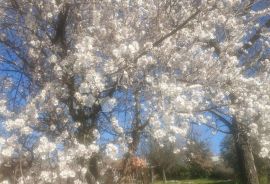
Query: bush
x,y
221,172
264,179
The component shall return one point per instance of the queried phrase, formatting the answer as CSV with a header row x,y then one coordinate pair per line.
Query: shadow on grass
x,y
222,182
198,181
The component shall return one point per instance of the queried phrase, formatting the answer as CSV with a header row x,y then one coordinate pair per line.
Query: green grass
x,y
197,181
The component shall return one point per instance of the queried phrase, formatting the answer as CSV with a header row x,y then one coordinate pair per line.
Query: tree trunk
x,y
164,175
248,172
152,175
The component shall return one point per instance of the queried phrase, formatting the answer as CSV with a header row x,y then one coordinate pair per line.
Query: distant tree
x,y
222,171
165,158
193,162
199,158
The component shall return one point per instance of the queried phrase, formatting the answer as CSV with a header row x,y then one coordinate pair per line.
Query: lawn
x,y
197,181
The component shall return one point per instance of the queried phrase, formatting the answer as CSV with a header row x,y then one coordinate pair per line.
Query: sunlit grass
x,y
197,181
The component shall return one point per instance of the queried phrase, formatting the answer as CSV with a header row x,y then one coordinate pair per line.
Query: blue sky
x,y
214,140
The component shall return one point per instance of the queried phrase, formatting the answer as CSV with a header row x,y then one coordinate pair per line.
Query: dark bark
x,y
60,27
60,31
152,175
135,134
248,172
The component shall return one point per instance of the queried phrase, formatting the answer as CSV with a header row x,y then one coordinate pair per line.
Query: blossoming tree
x,y
84,79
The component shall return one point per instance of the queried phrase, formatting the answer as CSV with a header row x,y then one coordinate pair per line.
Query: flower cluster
x,y
93,78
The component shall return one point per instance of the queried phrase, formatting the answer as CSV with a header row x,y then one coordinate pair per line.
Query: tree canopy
x,y
84,80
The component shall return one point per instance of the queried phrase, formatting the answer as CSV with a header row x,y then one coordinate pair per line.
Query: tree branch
x,y
163,38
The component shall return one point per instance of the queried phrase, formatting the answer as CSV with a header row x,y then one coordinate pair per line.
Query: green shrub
x,y
264,179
